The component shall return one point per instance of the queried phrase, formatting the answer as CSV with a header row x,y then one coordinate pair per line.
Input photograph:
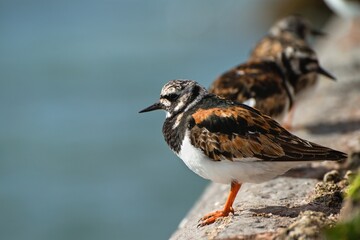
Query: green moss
x,y
346,230
354,189
350,228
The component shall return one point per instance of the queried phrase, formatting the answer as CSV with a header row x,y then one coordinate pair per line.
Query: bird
x,y
229,142
260,84
287,45
282,33
269,84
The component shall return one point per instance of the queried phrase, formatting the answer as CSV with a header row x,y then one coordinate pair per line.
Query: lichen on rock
x,y
307,226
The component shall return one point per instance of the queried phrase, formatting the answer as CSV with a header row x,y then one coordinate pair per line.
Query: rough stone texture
x,y
259,208
298,201
306,227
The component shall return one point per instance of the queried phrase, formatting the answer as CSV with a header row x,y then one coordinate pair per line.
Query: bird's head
x,y
178,96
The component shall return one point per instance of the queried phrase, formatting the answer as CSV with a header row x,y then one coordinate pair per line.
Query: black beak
x,y
325,73
316,32
155,106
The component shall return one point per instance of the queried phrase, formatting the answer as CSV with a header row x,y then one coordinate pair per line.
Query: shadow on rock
x,y
307,172
328,204
324,128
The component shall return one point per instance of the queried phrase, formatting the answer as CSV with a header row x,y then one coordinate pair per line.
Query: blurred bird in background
x,y
281,67
287,43
260,84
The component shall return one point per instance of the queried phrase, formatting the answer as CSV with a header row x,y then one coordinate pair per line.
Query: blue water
x,y
76,159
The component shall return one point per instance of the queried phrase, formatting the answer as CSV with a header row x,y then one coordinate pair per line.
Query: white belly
x,y
225,171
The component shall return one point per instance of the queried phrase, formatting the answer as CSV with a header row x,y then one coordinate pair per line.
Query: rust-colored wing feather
x,y
239,133
262,81
271,47
296,56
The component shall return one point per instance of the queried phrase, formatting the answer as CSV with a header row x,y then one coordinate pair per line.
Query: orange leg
x,y
287,124
211,217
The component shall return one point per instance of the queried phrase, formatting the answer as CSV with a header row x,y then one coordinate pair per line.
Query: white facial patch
x,y
177,122
181,102
165,102
179,106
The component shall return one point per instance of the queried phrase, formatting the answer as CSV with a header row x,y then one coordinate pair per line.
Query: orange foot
x,y
211,217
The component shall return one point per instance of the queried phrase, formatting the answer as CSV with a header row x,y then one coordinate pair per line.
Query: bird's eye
x,y
171,96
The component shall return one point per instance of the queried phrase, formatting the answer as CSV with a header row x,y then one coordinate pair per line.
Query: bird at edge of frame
x,y
260,84
281,67
228,142
287,44
282,33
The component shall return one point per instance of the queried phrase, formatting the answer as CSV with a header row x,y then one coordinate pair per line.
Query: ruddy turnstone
x,y
260,84
229,142
286,43
282,34
269,85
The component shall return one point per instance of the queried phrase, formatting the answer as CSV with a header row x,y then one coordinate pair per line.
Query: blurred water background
x,y
77,160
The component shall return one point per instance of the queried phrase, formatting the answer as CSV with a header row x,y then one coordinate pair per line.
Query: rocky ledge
x,y
303,201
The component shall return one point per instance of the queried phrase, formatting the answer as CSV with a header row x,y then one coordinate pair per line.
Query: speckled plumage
x,y
229,142
280,69
287,44
226,131
259,84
